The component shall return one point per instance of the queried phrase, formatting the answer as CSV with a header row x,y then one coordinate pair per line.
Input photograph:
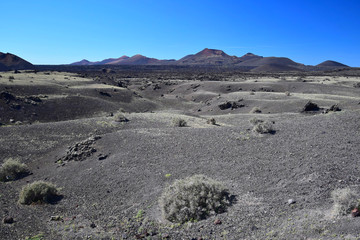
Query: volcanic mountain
x,y
10,61
208,57
330,63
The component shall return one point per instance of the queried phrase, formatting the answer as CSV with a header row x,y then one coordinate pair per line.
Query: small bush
x,y
255,121
179,122
11,78
345,200
39,191
12,169
264,127
255,110
287,93
120,118
211,121
193,198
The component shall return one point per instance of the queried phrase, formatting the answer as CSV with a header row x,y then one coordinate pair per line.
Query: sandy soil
x,y
310,154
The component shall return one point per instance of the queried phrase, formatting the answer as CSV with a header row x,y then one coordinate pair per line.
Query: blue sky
x,y
58,32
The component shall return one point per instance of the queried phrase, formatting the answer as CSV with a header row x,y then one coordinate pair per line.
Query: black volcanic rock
x,y
10,61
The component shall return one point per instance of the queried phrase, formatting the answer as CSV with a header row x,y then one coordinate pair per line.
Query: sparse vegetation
x,y
211,121
193,198
255,110
179,122
255,121
264,127
12,169
119,117
39,191
11,78
345,200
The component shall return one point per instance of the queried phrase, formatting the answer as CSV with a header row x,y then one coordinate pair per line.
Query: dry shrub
x,y
255,110
255,121
211,121
120,118
179,122
264,127
12,169
345,200
193,198
38,192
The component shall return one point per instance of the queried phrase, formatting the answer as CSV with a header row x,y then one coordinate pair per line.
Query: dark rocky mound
x,y
80,151
10,61
310,107
273,67
330,63
232,105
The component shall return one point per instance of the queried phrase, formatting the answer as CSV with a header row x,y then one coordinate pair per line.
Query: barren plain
x,y
281,182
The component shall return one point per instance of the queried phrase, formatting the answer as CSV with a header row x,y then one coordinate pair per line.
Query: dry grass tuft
x,y
193,198
38,192
12,169
345,200
179,122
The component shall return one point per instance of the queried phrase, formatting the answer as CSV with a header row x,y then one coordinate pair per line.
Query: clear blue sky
x,y
57,32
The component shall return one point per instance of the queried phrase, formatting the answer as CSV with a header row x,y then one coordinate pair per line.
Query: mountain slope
x,y
208,57
330,63
10,61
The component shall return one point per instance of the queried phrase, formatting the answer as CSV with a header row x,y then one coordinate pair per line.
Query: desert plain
x,y
280,182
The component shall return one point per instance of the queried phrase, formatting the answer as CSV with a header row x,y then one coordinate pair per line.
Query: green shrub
x,y
264,127
193,198
179,122
12,169
344,200
38,191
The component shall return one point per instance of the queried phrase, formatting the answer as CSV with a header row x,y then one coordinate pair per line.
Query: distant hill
x,y
273,67
215,57
208,57
330,63
10,61
255,62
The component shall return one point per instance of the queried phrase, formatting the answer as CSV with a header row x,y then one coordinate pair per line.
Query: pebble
x,y
217,222
291,201
8,220
92,225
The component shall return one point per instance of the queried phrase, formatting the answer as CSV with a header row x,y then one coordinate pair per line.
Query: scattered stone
x,y
56,218
335,108
102,157
12,120
165,235
217,222
310,106
291,201
232,105
80,151
355,212
105,94
7,96
8,220
92,225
